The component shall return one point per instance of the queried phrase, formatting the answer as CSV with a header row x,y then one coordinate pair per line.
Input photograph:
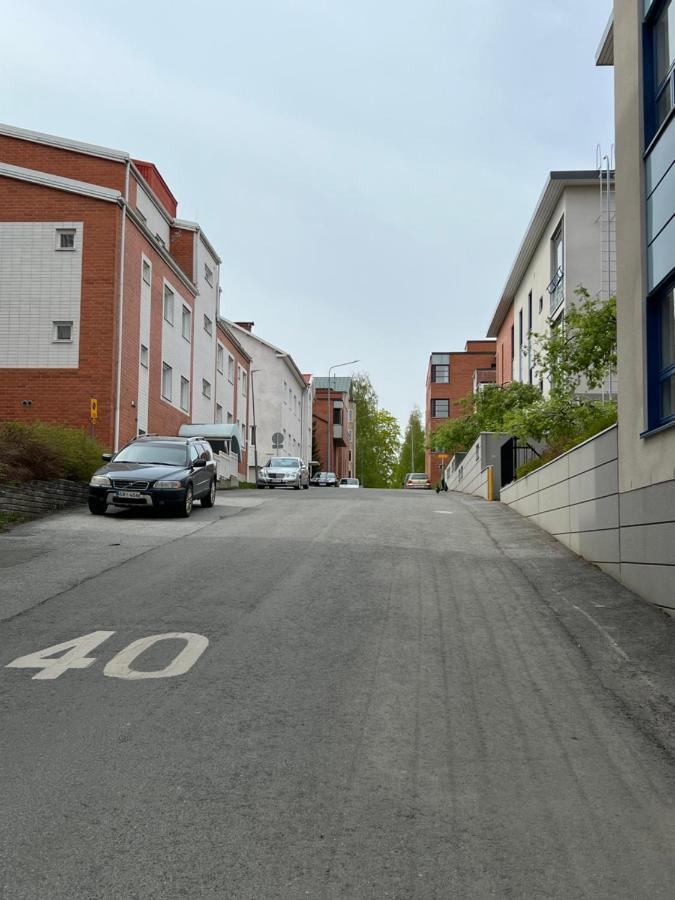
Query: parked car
x,y
325,479
283,471
416,481
154,471
349,483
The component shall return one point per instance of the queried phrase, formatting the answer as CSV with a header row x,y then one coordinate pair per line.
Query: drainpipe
x,y
120,311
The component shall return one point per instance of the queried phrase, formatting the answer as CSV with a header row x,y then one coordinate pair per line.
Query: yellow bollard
x,y
490,484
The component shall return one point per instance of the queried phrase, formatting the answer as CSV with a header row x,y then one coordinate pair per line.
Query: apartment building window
x,y
167,379
230,369
660,63
440,368
661,358
208,275
208,325
219,413
229,419
541,304
144,356
220,359
529,312
147,272
513,344
187,323
440,409
244,383
206,388
184,393
65,238
62,332
168,305
556,285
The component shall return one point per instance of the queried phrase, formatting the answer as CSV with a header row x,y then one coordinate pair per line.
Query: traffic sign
x,y
277,440
443,456
93,409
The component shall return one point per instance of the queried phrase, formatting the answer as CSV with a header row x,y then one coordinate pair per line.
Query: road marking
x,y
443,512
604,631
120,665
76,658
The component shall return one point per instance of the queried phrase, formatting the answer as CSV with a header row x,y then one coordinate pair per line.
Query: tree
x,y
487,410
411,456
377,436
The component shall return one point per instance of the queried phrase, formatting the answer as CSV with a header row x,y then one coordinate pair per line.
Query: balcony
x,y
338,435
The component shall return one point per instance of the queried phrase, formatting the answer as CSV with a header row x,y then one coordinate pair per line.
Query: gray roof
x,y
340,384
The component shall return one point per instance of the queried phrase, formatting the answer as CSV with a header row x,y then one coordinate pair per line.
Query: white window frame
x,y
208,325
220,358
219,414
184,393
208,275
170,296
230,368
146,267
186,316
206,388
65,232
144,356
62,323
244,383
167,370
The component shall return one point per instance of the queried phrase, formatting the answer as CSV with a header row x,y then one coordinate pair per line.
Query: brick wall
x,y
504,350
63,395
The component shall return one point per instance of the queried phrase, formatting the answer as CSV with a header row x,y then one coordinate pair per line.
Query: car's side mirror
x,y
199,464
106,457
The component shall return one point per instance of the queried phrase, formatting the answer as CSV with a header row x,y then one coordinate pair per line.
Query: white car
x,y
284,471
349,483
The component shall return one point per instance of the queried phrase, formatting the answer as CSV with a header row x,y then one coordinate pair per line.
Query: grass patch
x,y
38,451
7,519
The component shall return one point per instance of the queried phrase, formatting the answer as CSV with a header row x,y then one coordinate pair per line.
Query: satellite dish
x,y
277,440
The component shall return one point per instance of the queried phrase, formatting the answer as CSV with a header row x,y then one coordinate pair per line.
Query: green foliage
x,y
411,455
582,348
488,410
37,450
377,437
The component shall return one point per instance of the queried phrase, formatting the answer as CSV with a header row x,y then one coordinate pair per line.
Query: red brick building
x,y
336,452
450,378
105,295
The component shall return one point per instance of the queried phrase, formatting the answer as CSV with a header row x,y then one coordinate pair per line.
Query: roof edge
x,y
604,55
52,140
59,183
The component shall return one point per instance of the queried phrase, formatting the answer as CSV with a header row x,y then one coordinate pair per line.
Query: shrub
x,y
40,451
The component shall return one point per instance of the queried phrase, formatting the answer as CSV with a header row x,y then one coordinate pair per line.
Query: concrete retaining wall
x,y
468,472
38,497
631,535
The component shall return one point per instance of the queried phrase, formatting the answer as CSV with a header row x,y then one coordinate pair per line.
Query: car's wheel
x,y
305,487
97,507
209,499
261,487
185,508
296,487
272,486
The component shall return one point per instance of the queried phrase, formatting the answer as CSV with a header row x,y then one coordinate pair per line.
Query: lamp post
x,y
329,414
255,430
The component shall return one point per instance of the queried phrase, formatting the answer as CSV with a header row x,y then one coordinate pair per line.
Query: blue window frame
x,y
659,69
661,358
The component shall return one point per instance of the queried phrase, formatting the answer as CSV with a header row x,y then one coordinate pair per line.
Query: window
x,y
513,343
167,378
219,413
184,394
144,356
65,238
541,304
229,418
556,286
244,383
350,415
168,305
220,358
160,240
206,388
529,312
62,332
520,328
187,323
208,325
146,271
660,79
208,275
230,370
440,409
661,359
440,374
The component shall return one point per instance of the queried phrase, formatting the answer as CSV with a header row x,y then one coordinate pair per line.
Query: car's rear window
x,y
161,453
417,477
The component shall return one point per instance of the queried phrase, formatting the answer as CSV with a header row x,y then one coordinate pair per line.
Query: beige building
x,y
640,43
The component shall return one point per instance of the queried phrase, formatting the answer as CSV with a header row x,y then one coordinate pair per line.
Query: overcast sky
x,y
365,168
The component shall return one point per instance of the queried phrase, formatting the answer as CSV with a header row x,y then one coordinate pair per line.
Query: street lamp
x,y
329,414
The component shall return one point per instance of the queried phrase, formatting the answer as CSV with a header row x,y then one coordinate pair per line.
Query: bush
x,y
40,451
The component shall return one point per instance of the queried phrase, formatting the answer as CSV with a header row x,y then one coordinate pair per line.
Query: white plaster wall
x,y
154,219
38,286
143,372
176,351
204,364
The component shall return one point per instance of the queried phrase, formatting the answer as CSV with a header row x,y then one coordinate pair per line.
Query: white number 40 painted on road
x,y
74,656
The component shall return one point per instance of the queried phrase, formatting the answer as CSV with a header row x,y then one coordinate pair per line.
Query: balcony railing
x,y
556,290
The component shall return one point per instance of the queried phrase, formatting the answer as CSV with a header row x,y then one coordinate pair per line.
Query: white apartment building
x,y
569,243
282,398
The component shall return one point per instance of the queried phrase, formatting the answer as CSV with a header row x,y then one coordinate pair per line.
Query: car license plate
x,y
129,495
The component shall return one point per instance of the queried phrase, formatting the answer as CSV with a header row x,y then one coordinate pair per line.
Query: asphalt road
x,y
403,695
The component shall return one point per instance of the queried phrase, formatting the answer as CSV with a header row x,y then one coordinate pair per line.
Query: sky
x,y
366,169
